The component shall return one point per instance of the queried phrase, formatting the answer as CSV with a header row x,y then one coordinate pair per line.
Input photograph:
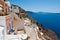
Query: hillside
x,y
48,34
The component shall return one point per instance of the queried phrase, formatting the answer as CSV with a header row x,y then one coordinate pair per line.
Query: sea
x,y
48,20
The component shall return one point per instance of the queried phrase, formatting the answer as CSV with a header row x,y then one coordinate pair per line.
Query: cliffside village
x,y
18,25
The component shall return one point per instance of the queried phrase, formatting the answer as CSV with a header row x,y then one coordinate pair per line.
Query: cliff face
x,y
41,32
49,33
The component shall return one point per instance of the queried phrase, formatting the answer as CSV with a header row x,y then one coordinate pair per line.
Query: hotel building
x,y
3,7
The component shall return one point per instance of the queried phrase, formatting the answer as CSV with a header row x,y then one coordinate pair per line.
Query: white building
x,y
15,9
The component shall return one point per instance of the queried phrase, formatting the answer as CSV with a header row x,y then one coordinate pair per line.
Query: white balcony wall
x,y
3,24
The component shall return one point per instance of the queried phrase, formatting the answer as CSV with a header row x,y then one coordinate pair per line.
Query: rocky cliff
x,y
48,34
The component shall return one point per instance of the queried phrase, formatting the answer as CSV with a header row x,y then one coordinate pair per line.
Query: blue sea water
x,y
48,20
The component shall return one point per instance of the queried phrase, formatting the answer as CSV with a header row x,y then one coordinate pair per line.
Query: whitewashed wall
x,y
2,27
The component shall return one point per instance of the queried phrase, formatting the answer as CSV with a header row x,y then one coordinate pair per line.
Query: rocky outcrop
x,y
47,32
18,23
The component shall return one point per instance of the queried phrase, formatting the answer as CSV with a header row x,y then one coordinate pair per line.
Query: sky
x,y
38,5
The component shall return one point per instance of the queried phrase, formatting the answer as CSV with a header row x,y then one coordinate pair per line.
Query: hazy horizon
x,y
38,5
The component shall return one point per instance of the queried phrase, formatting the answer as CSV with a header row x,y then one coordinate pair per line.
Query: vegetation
x,y
20,15
7,13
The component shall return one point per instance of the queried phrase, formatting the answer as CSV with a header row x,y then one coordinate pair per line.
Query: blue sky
x,y
38,5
